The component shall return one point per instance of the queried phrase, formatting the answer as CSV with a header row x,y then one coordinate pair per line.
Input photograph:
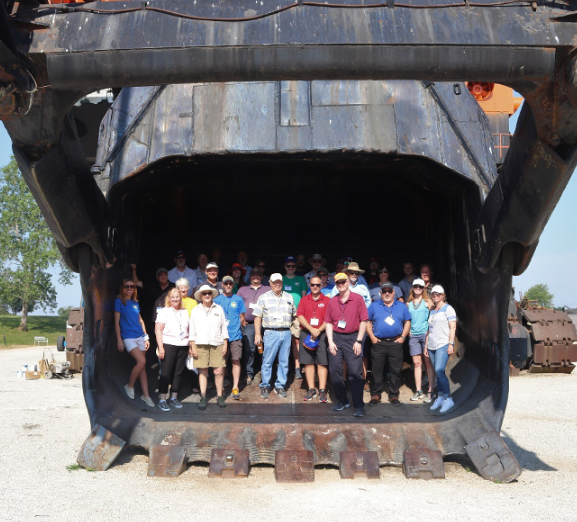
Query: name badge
x,y
181,336
277,317
226,321
288,288
390,321
342,324
252,306
158,309
314,321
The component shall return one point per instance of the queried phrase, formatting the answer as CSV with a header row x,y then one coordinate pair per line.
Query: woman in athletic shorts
x,y
131,335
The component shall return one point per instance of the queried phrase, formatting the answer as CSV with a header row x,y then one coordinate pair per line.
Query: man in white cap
x,y
212,278
317,261
275,312
208,340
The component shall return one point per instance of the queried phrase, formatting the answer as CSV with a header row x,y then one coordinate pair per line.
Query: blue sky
x,y
552,264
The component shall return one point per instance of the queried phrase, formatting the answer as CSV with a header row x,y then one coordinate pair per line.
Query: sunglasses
x,y
128,286
180,257
418,286
317,263
206,293
315,284
322,274
383,272
340,283
436,294
261,266
290,266
387,291
228,283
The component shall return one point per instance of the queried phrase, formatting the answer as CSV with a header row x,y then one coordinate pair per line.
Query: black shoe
x,y
280,391
340,406
359,412
264,393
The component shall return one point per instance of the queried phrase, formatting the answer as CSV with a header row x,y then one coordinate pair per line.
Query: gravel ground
x,y
44,424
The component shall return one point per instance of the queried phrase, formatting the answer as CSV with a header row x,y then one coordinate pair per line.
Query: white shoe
x,y
148,401
447,405
438,401
129,391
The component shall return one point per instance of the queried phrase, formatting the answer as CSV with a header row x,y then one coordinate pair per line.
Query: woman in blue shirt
x,y
131,335
419,308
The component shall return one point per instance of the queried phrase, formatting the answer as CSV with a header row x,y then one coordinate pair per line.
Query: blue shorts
x,y
417,344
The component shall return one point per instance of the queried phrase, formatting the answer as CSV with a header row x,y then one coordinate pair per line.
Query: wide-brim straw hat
x,y
317,257
204,288
354,267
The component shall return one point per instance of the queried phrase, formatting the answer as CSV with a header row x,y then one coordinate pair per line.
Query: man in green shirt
x,y
297,287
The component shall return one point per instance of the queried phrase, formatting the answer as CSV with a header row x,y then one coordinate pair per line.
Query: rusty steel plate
x,y
228,463
536,316
294,466
99,449
354,463
555,354
554,331
422,463
166,460
493,459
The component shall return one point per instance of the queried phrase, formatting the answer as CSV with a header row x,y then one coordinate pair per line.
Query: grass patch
x,y
49,326
73,467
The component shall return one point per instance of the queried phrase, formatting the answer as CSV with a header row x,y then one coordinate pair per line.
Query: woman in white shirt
x,y
172,337
440,345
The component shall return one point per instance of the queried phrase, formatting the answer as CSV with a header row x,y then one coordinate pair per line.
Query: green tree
x,y
64,311
27,248
540,293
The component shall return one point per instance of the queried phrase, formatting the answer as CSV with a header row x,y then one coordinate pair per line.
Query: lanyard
x,y
316,304
385,308
343,307
177,319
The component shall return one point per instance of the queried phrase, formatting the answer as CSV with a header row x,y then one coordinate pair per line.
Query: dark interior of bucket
x,y
360,205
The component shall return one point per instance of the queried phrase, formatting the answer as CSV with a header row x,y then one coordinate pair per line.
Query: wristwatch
x,y
403,337
359,341
452,343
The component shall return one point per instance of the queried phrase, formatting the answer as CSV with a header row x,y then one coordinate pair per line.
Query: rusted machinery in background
x,y
349,101
542,340
74,339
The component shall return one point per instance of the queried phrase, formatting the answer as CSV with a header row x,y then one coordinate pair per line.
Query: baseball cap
x,y
255,273
227,278
211,265
179,253
310,344
438,289
275,277
290,259
418,281
340,276
388,284
323,270
161,270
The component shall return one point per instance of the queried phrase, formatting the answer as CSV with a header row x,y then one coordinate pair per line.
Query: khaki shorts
x,y
209,356
235,349
296,328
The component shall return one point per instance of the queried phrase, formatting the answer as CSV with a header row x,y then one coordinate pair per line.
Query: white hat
x,y
211,265
437,289
275,277
204,288
418,281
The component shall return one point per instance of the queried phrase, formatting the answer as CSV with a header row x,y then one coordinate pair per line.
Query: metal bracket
x,y
493,459
100,449
355,463
166,460
294,466
421,463
228,463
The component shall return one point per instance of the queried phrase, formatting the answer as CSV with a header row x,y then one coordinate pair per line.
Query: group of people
x,y
337,323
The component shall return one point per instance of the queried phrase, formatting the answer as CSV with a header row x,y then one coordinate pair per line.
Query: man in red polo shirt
x,y
311,315
346,321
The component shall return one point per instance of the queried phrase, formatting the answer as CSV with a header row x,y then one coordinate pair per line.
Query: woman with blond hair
x,y
419,307
131,336
172,337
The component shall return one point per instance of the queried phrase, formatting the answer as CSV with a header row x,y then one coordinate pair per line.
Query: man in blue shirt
x,y
388,326
234,310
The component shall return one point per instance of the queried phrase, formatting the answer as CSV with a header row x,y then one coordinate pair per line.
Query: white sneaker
x,y
129,391
438,401
148,401
447,405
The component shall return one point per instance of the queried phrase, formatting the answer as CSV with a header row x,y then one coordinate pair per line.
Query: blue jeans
x,y
275,342
439,359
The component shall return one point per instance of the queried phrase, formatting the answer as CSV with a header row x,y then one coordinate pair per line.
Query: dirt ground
x,y
44,424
